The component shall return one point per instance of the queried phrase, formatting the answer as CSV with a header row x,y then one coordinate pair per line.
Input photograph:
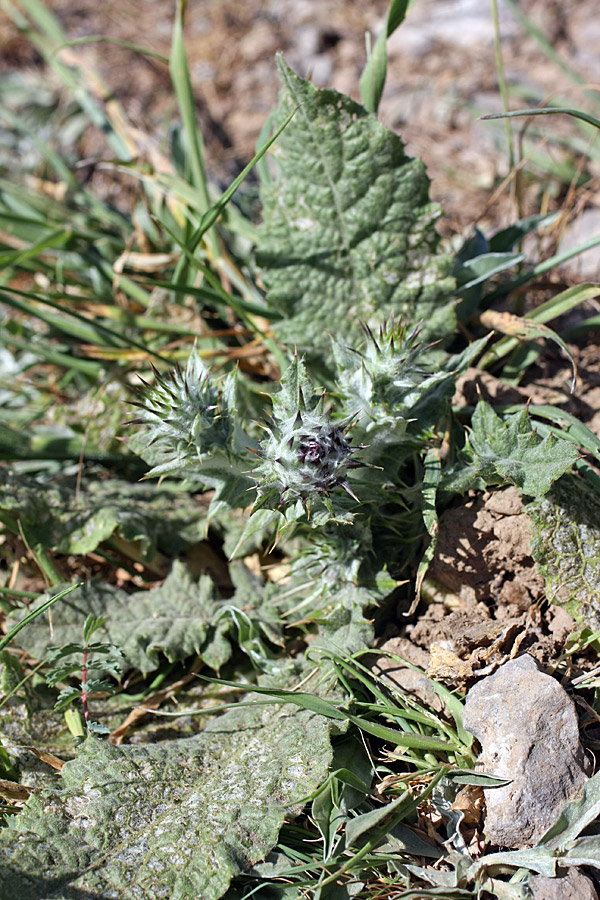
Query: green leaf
x,y
311,702
431,482
559,845
480,779
537,859
531,327
510,450
92,624
176,820
348,232
365,822
564,423
180,78
576,816
43,604
566,545
547,111
584,852
57,517
346,787
372,80
481,268
505,240
329,710
174,620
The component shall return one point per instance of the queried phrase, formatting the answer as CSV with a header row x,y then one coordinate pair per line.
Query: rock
x,y
528,731
572,886
585,227
400,676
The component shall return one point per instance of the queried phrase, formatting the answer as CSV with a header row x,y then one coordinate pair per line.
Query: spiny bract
x,y
185,412
306,454
380,379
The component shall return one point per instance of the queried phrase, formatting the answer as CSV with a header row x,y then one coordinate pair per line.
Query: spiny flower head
x,y
185,412
306,454
391,361
382,380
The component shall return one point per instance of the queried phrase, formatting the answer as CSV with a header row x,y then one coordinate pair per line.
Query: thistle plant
x,y
306,466
381,380
316,463
391,364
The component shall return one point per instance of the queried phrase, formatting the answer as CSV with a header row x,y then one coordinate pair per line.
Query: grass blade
x,y
211,215
329,710
37,612
532,326
104,39
372,80
50,36
180,78
547,111
502,82
93,332
541,268
525,329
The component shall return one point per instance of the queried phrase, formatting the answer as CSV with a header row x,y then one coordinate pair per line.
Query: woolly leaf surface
x,y
58,517
348,232
177,820
566,544
174,620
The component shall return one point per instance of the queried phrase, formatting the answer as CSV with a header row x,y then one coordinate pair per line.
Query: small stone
x,y
572,886
527,727
400,676
585,227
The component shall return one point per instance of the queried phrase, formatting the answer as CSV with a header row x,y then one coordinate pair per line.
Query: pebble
x,y
527,727
572,886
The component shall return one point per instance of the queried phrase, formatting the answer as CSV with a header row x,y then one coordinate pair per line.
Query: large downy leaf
x,y
566,544
348,232
176,620
176,820
58,517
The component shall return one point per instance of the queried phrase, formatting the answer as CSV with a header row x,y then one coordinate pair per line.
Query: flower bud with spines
x,y
381,382
185,414
306,455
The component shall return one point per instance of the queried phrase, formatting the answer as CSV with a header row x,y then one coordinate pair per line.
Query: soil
x,y
485,600
483,552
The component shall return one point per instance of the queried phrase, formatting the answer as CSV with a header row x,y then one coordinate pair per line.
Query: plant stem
x,y
84,696
502,82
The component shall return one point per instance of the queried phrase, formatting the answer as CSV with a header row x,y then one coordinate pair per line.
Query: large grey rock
x,y
527,727
572,886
